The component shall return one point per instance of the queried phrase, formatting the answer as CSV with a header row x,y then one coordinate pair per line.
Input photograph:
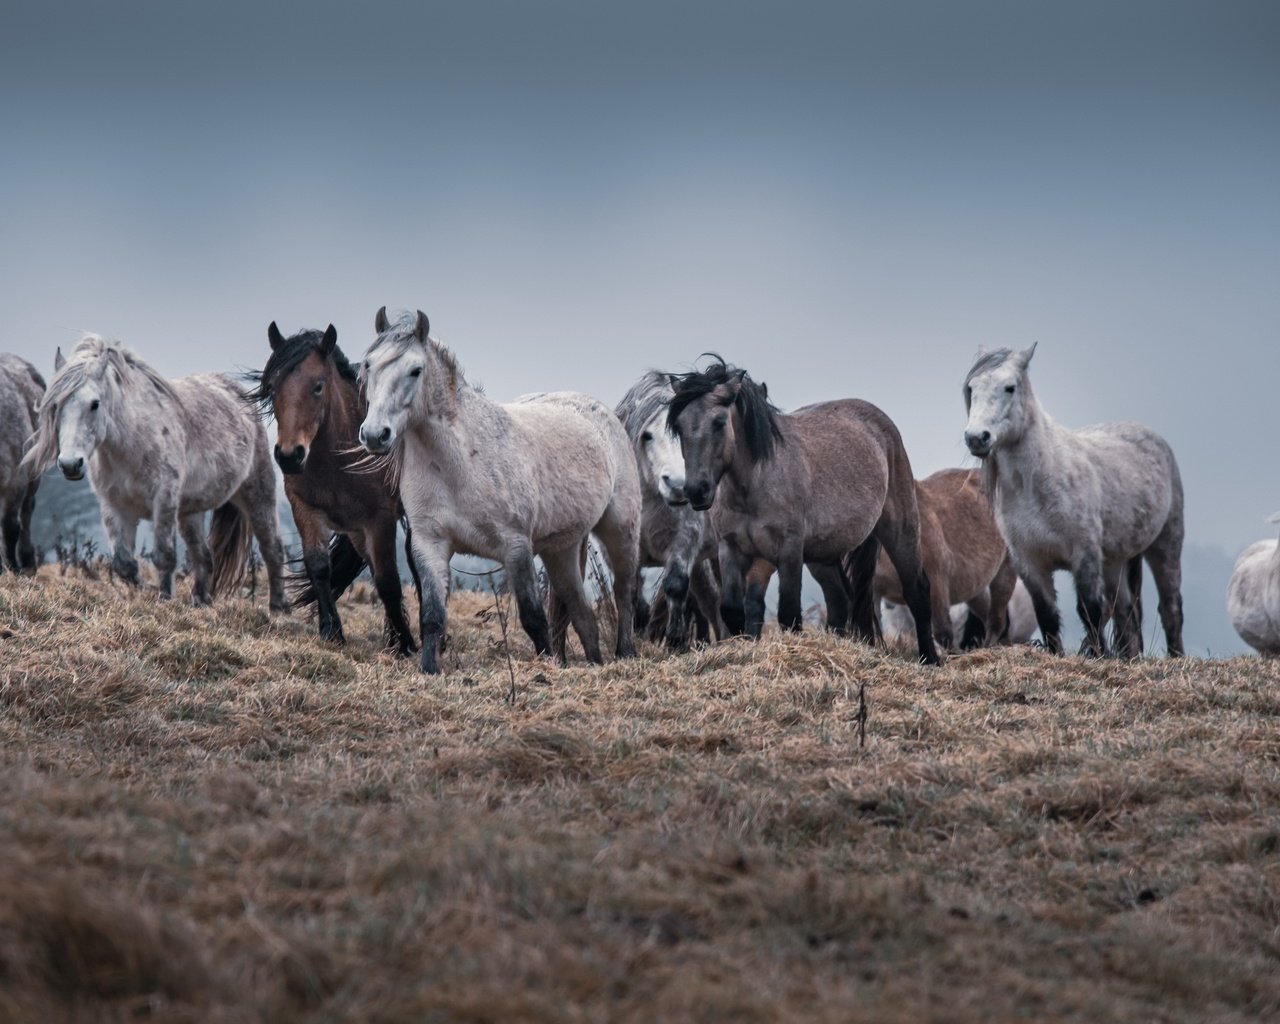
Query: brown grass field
x,y
211,815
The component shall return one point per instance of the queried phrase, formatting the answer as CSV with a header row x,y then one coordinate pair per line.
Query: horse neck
x,y
453,411
742,470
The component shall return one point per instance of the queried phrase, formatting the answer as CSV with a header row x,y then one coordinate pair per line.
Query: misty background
x,y
846,199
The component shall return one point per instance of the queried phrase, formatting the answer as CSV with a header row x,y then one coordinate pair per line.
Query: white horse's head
x,y
394,374
997,395
73,415
661,461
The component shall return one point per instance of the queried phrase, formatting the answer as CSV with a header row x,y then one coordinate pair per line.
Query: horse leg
x,y
835,594
315,536
1000,591
199,556
675,585
1092,604
642,613
976,633
26,552
940,608
122,531
1165,558
619,535
733,569
380,542
430,559
901,540
757,583
259,504
558,612
706,595
565,576
1044,599
1126,613
11,529
164,516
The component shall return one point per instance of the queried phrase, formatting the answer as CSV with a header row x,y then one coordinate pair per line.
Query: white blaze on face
x,y
391,385
663,460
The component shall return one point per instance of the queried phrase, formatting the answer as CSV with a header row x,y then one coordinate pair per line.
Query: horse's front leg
x,y
1092,606
430,557
706,595
122,531
733,578
790,579
380,542
1044,599
319,569
164,515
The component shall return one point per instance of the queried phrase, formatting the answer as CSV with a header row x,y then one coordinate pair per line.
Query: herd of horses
x,y
697,474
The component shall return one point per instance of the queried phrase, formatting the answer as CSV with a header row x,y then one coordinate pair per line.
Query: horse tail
x,y
345,564
229,539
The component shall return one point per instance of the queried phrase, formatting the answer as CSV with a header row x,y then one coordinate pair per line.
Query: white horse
x,y
21,388
1095,502
506,482
165,451
1253,595
672,534
897,624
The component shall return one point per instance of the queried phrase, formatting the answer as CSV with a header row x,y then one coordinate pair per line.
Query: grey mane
x,y
646,398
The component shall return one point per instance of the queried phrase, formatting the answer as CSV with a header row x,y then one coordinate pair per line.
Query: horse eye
x,y
319,388
717,424
93,406
646,437
1009,390
416,372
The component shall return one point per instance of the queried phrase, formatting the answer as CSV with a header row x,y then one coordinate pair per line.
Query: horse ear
x,y
274,336
1026,354
423,327
329,340
59,361
380,321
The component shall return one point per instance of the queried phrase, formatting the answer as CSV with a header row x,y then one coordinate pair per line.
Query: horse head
x,y
997,396
394,373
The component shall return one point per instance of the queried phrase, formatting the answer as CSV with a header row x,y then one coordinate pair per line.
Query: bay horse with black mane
x,y
796,489
346,514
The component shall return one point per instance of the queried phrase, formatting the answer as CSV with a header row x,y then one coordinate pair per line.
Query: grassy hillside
x,y
209,815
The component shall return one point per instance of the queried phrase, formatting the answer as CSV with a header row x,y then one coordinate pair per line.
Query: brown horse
x,y
804,488
318,405
964,555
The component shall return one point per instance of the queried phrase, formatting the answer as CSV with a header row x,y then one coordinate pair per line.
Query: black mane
x,y
285,359
759,415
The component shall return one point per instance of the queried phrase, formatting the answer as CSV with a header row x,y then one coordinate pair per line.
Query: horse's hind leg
x,y
259,504
1127,613
199,556
901,539
565,576
1165,558
12,529
1000,593
380,542
619,535
706,596
835,593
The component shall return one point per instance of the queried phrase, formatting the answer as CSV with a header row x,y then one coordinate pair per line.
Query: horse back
x,y
1139,483
221,438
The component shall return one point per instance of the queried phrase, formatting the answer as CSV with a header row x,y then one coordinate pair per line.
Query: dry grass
x,y
210,815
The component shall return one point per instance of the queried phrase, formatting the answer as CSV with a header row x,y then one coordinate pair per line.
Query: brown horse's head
x,y
713,412
297,385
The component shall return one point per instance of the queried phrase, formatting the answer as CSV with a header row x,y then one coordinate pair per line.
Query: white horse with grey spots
x,y
502,481
164,451
897,625
1094,502
1253,595
673,534
21,388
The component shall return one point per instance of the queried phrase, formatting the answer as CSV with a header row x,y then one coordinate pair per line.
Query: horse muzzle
x,y
72,469
376,440
672,491
979,443
700,495
291,461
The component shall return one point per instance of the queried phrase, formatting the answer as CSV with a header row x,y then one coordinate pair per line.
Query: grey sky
x,y
846,199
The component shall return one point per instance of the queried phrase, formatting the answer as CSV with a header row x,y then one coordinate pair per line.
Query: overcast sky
x,y
846,199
